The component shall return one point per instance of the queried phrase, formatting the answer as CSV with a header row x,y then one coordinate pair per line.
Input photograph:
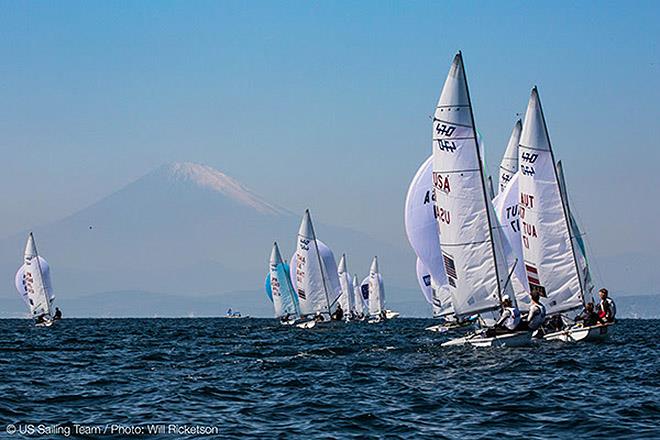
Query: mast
x,y
483,183
561,195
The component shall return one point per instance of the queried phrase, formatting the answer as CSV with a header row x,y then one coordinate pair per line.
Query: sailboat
x,y
33,284
285,300
347,298
555,262
375,290
470,241
361,307
316,293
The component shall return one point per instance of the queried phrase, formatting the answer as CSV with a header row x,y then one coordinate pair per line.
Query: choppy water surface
x,y
253,378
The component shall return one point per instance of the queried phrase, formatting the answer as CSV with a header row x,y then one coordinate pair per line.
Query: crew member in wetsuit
x,y
339,313
606,308
58,313
588,316
536,314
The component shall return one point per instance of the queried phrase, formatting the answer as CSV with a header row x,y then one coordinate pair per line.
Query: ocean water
x,y
251,378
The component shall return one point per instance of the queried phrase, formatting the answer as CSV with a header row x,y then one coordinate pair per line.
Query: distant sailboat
x,y
316,293
376,295
361,307
555,260
346,299
33,284
285,300
471,243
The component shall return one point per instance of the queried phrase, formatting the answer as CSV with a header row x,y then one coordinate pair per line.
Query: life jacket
x,y
514,318
539,316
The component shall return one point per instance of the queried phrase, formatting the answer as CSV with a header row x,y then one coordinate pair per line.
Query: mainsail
x,y
346,299
33,282
550,257
310,275
509,164
473,255
284,297
578,241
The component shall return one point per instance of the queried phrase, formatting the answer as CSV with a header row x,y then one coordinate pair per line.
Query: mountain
x,y
184,228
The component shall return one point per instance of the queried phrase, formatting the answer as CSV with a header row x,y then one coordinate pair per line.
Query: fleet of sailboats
x,y
481,252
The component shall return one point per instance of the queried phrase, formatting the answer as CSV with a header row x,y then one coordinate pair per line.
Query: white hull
x,y
306,324
390,314
517,339
576,334
447,326
45,324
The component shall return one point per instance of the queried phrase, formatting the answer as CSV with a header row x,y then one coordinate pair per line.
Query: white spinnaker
x,y
473,255
506,209
280,284
547,246
424,280
21,286
346,284
578,241
310,279
39,300
421,225
509,164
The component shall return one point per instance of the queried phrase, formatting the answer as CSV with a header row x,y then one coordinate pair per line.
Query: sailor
x,y
58,313
339,313
318,317
536,314
40,319
510,317
588,316
606,308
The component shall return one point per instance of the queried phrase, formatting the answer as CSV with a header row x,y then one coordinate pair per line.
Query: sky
x,y
324,104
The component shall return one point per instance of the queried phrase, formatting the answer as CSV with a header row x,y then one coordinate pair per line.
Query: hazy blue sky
x,y
323,104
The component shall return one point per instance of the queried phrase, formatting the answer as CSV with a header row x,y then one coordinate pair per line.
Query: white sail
x,y
346,299
360,305
284,297
19,281
33,282
506,209
473,256
509,164
578,242
421,224
547,246
376,290
310,278
438,296
424,280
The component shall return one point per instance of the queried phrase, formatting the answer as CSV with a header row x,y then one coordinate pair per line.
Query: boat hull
x,y
517,339
577,334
